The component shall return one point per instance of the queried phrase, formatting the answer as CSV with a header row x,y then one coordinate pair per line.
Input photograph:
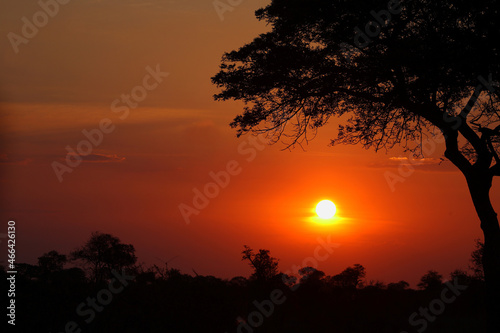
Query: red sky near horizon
x,y
65,79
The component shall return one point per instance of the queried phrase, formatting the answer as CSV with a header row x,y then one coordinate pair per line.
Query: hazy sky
x,y
73,75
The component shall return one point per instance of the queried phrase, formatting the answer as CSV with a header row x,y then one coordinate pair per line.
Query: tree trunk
x,y
479,186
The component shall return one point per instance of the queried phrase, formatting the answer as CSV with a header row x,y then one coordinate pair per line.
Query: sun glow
x,y
326,209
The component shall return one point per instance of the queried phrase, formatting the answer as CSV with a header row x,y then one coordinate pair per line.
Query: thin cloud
x,y
426,164
102,158
9,160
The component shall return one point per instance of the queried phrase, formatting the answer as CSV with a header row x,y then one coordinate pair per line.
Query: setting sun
x,y
326,209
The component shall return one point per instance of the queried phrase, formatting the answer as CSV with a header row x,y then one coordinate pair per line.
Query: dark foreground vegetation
x,y
111,293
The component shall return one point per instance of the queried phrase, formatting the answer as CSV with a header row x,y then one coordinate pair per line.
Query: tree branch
x,y
453,153
471,102
366,96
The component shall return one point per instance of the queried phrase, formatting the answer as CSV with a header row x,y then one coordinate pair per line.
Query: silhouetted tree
x,y
239,281
431,281
426,65
477,260
28,271
311,276
287,280
375,284
52,262
103,253
398,286
351,277
461,276
165,273
265,267
145,275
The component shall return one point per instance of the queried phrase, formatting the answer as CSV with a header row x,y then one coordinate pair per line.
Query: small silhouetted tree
x,y
431,281
265,267
477,260
375,284
103,253
238,281
430,70
311,276
351,277
288,280
398,286
52,262
167,273
461,277
28,271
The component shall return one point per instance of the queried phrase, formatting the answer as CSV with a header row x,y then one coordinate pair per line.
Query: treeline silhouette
x,y
107,291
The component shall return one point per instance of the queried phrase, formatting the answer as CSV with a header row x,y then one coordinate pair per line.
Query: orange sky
x,y
64,81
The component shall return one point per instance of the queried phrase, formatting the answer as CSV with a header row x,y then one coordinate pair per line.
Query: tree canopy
x,y
425,62
52,261
103,253
351,277
432,280
265,267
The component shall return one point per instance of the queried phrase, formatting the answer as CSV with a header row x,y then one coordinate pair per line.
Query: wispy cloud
x,y
430,164
14,160
102,158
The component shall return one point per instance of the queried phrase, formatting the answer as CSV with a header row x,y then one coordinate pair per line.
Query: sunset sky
x,y
74,72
